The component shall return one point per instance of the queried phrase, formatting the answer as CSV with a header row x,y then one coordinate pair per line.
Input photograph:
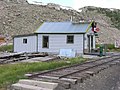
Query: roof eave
x,y
25,35
63,33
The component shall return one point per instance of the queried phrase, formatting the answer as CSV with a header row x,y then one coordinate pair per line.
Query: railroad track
x,y
19,57
79,72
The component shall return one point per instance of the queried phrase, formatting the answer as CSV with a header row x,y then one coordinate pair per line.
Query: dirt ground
x,y
108,79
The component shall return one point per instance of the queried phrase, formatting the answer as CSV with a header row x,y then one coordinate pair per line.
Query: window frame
x,y
70,39
25,41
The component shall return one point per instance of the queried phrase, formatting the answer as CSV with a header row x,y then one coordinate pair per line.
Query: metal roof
x,y
62,27
25,35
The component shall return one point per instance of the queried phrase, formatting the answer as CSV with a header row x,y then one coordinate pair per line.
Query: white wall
x,y
86,39
58,41
31,45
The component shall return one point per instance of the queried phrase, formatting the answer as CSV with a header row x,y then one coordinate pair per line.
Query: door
x,y
89,44
45,42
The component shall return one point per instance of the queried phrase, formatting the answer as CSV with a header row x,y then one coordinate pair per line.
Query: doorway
x,y
45,42
90,40
88,37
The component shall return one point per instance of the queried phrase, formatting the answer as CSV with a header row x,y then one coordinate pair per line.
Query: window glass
x,y
45,42
70,39
25,41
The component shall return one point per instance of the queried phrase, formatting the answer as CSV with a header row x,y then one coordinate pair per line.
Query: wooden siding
x,y
86,39
31,45
59,41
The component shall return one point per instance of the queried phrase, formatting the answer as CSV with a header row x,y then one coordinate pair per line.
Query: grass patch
x,y
11,73
110,48
8,48
114,50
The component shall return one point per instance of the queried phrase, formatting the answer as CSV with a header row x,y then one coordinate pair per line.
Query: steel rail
x,y
87,62
62,76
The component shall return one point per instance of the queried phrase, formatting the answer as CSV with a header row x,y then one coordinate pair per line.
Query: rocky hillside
x,y
108,22
18,17
15,1
23,19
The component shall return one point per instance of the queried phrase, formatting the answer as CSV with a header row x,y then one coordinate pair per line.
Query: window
x,y
45,42
70,39
24,41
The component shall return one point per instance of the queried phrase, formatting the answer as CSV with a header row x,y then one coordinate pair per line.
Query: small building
x,y
53,36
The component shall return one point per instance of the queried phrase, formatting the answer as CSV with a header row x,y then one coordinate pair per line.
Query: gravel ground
x,y
108,79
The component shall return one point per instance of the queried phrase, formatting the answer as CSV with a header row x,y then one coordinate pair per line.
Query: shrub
x,y
8,48
110,46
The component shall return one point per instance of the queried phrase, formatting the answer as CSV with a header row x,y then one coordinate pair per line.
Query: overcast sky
x,y
81,3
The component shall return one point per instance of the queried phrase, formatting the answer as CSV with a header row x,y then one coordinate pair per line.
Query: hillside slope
x,y
108,22
22,18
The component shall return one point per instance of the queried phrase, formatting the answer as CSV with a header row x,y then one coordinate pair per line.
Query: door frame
x,y
45,42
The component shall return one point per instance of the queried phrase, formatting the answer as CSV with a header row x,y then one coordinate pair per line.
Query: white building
x,y
53,36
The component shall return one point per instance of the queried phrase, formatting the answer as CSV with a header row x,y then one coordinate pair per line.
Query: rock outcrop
x,y
16,1
19,17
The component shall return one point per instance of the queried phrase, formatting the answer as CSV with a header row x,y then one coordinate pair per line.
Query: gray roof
x,y
62,27
25,35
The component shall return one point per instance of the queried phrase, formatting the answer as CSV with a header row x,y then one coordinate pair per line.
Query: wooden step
x,y
19,86
42,84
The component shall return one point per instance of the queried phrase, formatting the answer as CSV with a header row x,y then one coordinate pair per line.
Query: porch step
x,y
19,86
26,84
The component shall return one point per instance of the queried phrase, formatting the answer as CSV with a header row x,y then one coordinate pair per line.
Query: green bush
x,y
110,46
8,48
97,45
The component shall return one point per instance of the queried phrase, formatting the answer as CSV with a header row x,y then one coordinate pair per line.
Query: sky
x,y
81,3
